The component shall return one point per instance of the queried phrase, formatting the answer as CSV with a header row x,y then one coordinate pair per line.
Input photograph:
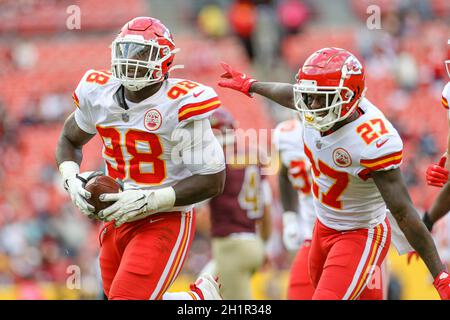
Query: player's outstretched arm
x,y
281,93
394,192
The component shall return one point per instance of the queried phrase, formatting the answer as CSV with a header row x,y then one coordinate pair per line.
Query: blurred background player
x,y
299,216
437,174
239,217
142,115
437,218
355,154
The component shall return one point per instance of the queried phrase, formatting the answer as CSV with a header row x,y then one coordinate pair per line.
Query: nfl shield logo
x,y
318,144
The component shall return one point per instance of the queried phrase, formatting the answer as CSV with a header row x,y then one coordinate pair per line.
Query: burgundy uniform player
x,y
240,216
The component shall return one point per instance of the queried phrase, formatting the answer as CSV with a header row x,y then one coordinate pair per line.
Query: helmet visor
x,y
138,62
320,106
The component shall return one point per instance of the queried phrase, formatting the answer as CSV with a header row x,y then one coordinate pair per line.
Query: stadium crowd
x,y
42,234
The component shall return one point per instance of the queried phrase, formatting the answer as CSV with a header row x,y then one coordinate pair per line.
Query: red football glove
x,y
442,285
437,174
411,255
236,80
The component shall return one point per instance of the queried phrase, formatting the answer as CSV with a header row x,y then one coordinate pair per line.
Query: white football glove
x,y
74,184
291,231
136,204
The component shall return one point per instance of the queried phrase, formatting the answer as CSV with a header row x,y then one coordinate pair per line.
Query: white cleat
x,y
207,287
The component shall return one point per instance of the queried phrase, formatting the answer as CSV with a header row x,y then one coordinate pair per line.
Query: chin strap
x,y
178,66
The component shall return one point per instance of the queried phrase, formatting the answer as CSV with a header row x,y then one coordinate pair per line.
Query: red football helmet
x,y
223,125
142,53
336,76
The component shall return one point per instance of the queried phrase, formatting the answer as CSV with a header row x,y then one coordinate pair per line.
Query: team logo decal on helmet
x,y
152,120
342,158
353,66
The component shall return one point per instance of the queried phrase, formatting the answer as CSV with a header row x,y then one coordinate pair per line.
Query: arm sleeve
x,y
199,104
83,116
198,148
385,153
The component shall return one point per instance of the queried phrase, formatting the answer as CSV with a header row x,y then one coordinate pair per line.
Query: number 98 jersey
x,y
345,196
138,138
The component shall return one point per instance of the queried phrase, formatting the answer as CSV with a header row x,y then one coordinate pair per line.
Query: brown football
x,y
99,185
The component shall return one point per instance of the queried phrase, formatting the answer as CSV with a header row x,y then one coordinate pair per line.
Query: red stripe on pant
x,y
175,267
366,263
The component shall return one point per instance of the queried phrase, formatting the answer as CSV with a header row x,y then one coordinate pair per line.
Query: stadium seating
x,y
50,17
58,59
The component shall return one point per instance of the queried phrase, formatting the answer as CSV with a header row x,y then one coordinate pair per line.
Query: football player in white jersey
x,y
437,175
294,181
355,154
157,139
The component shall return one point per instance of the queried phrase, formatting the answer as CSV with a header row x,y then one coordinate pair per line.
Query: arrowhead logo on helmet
x,y
353,66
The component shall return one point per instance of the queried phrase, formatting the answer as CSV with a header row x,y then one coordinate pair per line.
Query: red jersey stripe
x,y
369,162
199,111
197,104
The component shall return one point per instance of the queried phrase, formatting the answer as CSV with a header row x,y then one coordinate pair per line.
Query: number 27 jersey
x,y
345,195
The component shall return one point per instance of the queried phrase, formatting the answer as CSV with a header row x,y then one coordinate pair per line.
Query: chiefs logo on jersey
x,y
152,120
342,158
